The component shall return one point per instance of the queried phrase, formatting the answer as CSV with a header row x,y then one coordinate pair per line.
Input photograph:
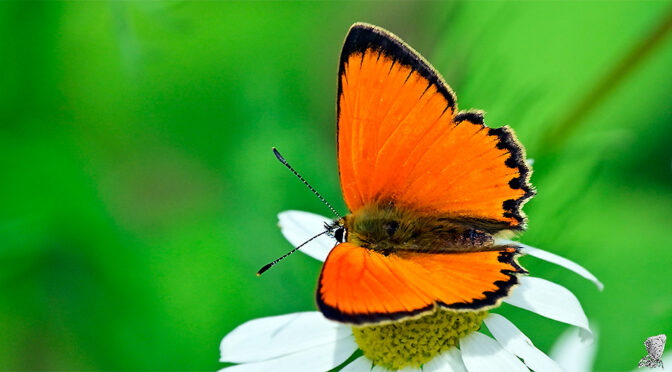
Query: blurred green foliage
x,y
139,194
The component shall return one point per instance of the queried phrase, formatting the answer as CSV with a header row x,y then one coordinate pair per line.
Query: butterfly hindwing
x,y
400,138
359,286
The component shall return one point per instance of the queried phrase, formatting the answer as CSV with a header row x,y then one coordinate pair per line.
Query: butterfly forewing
x,y
400,139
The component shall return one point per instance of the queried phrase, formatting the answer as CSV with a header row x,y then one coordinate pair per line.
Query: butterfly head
x,y
337,230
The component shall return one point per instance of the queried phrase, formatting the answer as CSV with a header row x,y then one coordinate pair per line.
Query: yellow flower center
x,y
413,342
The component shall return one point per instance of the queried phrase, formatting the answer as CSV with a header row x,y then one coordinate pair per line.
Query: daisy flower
x,y
307,341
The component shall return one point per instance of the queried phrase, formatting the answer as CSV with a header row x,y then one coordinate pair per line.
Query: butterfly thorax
x,y
386,228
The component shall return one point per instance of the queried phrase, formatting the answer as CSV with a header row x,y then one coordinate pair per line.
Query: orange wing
x,y
358,285
400,140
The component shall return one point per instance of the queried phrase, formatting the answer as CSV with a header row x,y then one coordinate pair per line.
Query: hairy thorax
x,y
386,228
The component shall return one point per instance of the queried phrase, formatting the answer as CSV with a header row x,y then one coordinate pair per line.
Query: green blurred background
x,y
139,193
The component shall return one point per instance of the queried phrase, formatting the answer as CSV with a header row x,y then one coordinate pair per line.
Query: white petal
x,y
573,353
554,258
271,337
550,300
319,358
360,364
299,226
448,361
529,162
513,340
481,353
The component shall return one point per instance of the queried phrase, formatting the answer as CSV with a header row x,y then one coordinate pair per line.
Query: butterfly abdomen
x,y
386,228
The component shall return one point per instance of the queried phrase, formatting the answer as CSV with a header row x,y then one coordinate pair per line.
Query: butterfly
x,y
428,188
654,351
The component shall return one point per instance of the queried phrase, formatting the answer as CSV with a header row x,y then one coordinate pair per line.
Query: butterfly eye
x,y
341,234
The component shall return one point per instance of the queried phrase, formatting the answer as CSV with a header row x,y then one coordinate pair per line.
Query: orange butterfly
x,y
427,187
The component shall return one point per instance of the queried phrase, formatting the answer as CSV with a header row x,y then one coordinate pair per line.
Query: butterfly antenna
x,y
271,264
283,161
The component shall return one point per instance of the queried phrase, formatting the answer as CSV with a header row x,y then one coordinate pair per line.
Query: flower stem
x,y
567,124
